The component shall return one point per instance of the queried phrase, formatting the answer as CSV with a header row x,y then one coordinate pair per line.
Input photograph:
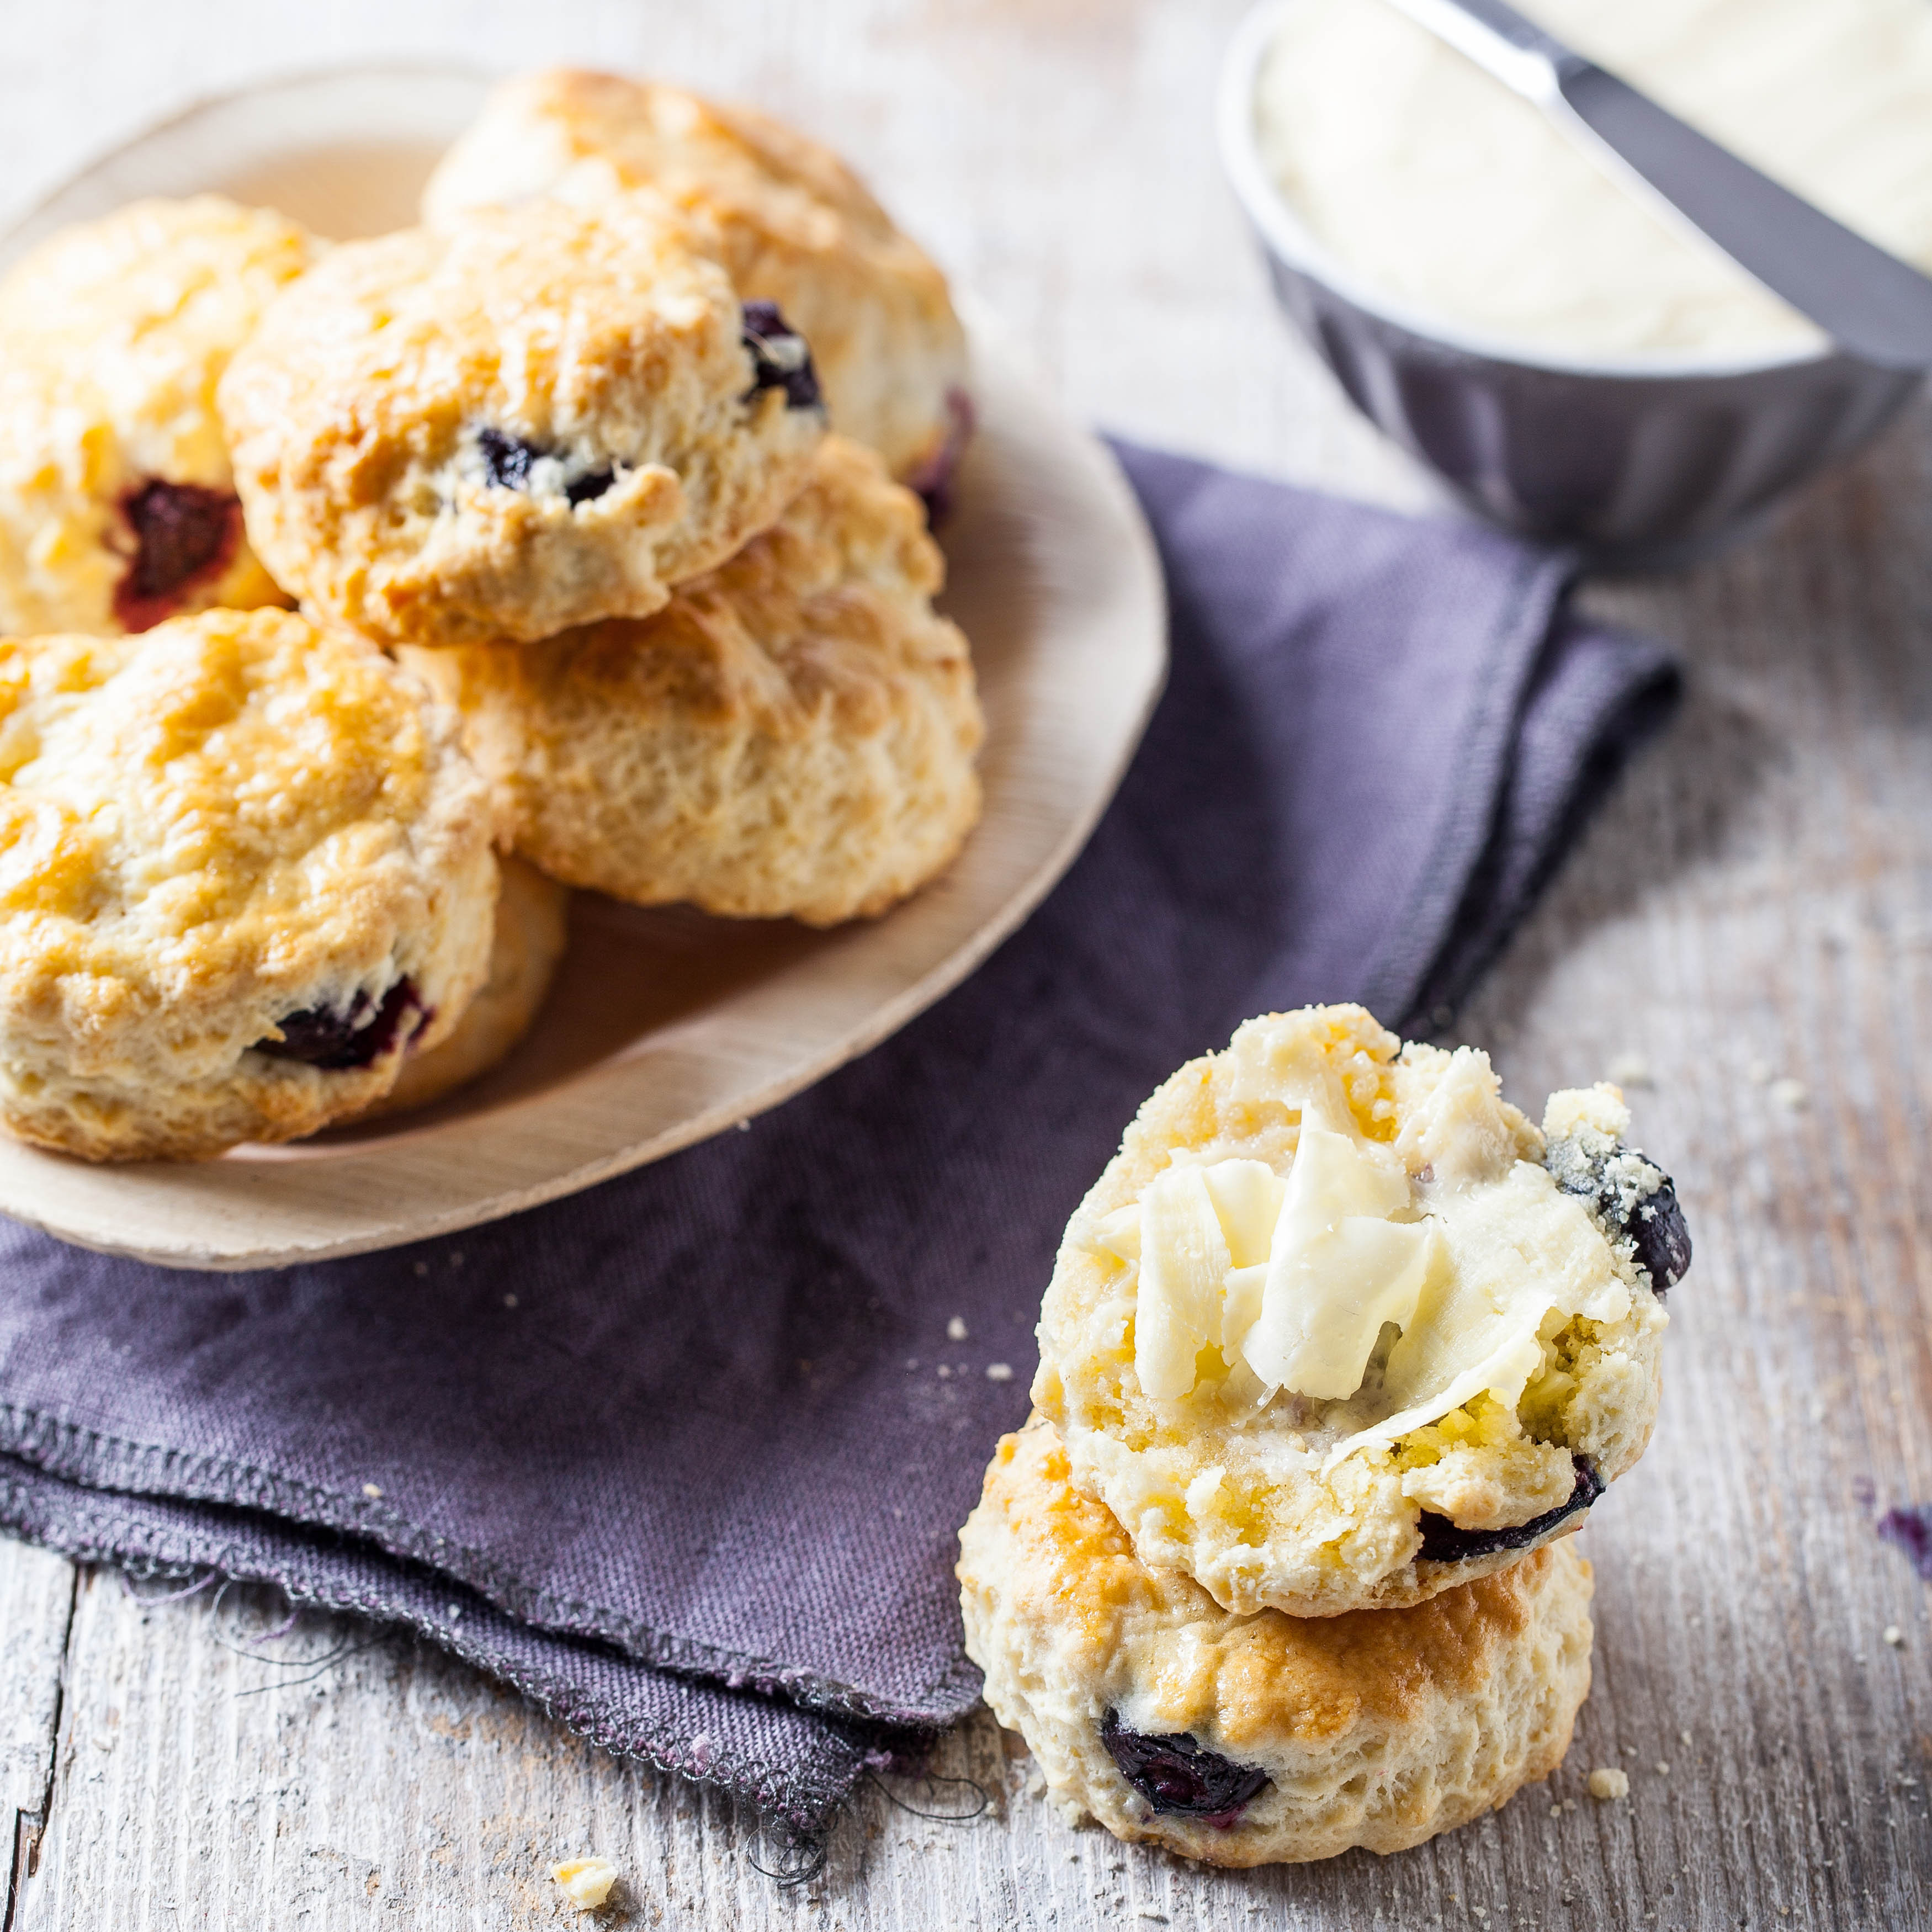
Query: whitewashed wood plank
x,y
36,1591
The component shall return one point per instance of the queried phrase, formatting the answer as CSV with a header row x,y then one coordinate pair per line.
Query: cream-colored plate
x,y
665,1026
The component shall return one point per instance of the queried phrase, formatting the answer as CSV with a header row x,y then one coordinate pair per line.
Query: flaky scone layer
x,y
790,223
113,335
1315,1504
536,417
794,736
1378,1729
244,868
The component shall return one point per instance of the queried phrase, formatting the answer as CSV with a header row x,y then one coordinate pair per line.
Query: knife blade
x,y
1874,305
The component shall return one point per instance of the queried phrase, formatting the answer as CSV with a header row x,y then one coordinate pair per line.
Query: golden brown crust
x,y
113,335
791,224
1376,1728
206,832
370,415
794,735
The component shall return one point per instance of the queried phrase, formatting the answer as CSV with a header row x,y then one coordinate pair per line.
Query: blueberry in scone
x,y
793,735
526,948
245,868
536,417
1339,1327
1245,1740
791,224
117,500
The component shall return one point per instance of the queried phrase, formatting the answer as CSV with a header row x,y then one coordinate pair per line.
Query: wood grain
x,y
1754,905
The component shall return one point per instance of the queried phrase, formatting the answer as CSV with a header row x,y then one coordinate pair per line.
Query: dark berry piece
x,y
1177,1777
506,459
1661,1238
338,1042
780,356
586,489
1910,1530
1632,1196
1442,1542
185,536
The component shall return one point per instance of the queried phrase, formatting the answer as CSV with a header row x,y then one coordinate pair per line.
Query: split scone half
x,y
536,417
794,736
1339,1327
790,223
245,868
117,498
1262,1738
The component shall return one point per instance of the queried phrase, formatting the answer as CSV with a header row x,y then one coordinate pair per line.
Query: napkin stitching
x,y
105,1462
110,1538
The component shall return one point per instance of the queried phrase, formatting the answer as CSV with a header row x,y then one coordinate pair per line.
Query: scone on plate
x,y
792,226
526,948
117,501
793,735
244,868
1339,1327
1262,1738
536,417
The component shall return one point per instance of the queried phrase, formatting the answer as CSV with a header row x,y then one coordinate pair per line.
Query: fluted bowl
x,y
1639,460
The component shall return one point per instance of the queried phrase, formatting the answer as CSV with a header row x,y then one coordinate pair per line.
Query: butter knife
x,y
1873,304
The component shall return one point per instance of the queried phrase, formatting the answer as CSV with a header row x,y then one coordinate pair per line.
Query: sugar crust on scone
x,y
1378,1729
536,417
1295,1503
113,336
794,736
526,947
791,224
238,855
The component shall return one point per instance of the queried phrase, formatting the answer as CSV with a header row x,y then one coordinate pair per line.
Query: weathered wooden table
x,y
1752,916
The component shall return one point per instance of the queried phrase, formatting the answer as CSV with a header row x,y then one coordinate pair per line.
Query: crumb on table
x,y
586,1882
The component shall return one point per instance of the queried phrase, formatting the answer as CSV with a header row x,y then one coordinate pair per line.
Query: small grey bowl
x,y
1641,461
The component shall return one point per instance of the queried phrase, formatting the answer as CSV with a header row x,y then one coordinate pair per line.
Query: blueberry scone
x,y
244,868
537,418
793,735
117,501
1263,1738
1339,1327
790,223
526,948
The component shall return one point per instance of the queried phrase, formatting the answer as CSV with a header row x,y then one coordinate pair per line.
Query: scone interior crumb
x,y
1519,1346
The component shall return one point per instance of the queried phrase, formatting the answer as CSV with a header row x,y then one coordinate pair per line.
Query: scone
x,y
244,868
117,501
1260,1739
793,735
1338,1327
537,417
526,948
792,226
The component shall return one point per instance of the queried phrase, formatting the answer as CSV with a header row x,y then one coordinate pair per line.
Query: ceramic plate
x,y
665,1026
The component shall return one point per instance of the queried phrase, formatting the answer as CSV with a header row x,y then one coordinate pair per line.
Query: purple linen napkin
x,y
691,1449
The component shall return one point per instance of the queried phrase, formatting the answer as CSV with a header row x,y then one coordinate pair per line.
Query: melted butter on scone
x,y
1331,1282
1477,1260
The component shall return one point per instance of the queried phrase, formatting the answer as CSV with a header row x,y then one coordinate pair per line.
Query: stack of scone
x,y
1336,1352
582,524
